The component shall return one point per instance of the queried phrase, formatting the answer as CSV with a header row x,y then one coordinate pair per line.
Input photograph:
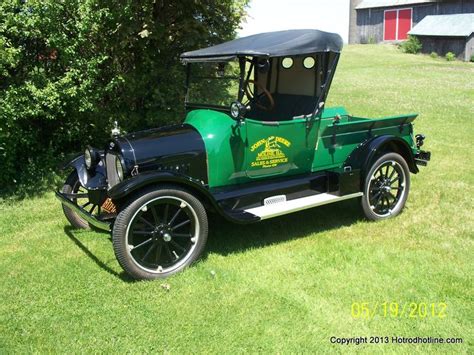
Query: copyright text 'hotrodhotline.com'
x,y
394,340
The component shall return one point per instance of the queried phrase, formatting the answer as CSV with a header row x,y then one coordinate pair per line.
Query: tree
x,y
69,68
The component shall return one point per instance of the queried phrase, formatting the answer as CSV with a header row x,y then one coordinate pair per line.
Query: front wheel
x,y
386,187
78,194
159,233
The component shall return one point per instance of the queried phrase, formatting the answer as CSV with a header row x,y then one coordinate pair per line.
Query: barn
x,y
446,33
375,21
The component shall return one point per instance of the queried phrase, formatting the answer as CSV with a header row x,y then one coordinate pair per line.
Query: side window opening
x,y
287,62
309,62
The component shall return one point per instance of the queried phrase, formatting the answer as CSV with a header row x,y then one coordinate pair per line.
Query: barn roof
x,y
270,44
368,4
460,25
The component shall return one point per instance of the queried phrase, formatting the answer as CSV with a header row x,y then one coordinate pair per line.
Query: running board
x,y
278,209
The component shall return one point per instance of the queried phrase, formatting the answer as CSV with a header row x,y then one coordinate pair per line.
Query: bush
x,y
412,45
450,56
69,68
472,58
434,55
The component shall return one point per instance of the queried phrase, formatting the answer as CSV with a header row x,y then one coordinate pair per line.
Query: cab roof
x,y
270,44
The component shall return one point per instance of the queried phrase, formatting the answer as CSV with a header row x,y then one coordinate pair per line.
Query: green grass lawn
x,y
283,285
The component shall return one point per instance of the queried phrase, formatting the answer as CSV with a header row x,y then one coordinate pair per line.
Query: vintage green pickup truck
x,y
273,149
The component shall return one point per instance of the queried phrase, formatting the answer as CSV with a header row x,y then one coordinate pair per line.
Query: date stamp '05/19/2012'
x,y
420,310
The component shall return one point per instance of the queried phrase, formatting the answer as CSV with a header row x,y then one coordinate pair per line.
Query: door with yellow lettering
x,y
279,148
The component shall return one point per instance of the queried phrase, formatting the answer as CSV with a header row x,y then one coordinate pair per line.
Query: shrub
x,y
434,55
450,56
472,58
69,68
412,45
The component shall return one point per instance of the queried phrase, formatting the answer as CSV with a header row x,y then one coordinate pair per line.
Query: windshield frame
x,y
189,106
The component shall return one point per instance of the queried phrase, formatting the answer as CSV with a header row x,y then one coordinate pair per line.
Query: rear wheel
x,y
160,233
386,187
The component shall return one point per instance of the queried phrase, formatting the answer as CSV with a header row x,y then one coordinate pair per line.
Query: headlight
x,y
119,168
91,157
88,158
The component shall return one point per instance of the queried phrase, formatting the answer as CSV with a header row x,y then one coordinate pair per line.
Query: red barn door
x,y
404,23
396,24
390,25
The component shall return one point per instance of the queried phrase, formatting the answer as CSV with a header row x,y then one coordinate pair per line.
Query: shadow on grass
x,y
228,238
122,275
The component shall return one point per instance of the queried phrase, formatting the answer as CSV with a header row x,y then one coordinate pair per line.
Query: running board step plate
x,y
278,209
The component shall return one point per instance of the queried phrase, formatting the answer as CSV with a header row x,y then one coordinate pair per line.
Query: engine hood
x,y
178,148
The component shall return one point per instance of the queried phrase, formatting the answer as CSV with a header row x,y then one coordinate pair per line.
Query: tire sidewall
x,y
125,217
369,213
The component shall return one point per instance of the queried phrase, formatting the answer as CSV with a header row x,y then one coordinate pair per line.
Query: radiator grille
x,y
112,177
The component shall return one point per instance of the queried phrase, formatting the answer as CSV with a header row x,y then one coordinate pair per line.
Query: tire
x,y
72,185
161,232
386,187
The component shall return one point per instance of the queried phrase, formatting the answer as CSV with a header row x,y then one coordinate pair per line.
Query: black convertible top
x,y
270,44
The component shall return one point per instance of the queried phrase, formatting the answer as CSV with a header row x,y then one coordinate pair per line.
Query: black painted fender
x,y
364,154
126,188
91,180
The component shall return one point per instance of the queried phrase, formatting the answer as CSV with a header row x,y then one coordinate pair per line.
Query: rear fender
x,y
363,156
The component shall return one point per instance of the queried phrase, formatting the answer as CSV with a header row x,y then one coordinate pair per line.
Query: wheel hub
x,y
161,232
166,237
384,186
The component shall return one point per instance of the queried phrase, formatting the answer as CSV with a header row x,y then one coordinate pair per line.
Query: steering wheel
x,y
256,98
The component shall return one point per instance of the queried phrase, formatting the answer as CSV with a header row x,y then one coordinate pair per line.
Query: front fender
x,y
91,180
139,181
363,155
127,187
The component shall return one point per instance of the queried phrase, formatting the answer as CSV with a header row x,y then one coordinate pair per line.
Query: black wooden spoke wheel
x,y
78,194
386,187
160,233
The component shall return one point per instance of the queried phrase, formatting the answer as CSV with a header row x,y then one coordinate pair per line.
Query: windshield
x,y
213,85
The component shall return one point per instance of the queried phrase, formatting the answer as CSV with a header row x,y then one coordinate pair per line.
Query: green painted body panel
x,y
336,141
252,150
225,141
286,149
